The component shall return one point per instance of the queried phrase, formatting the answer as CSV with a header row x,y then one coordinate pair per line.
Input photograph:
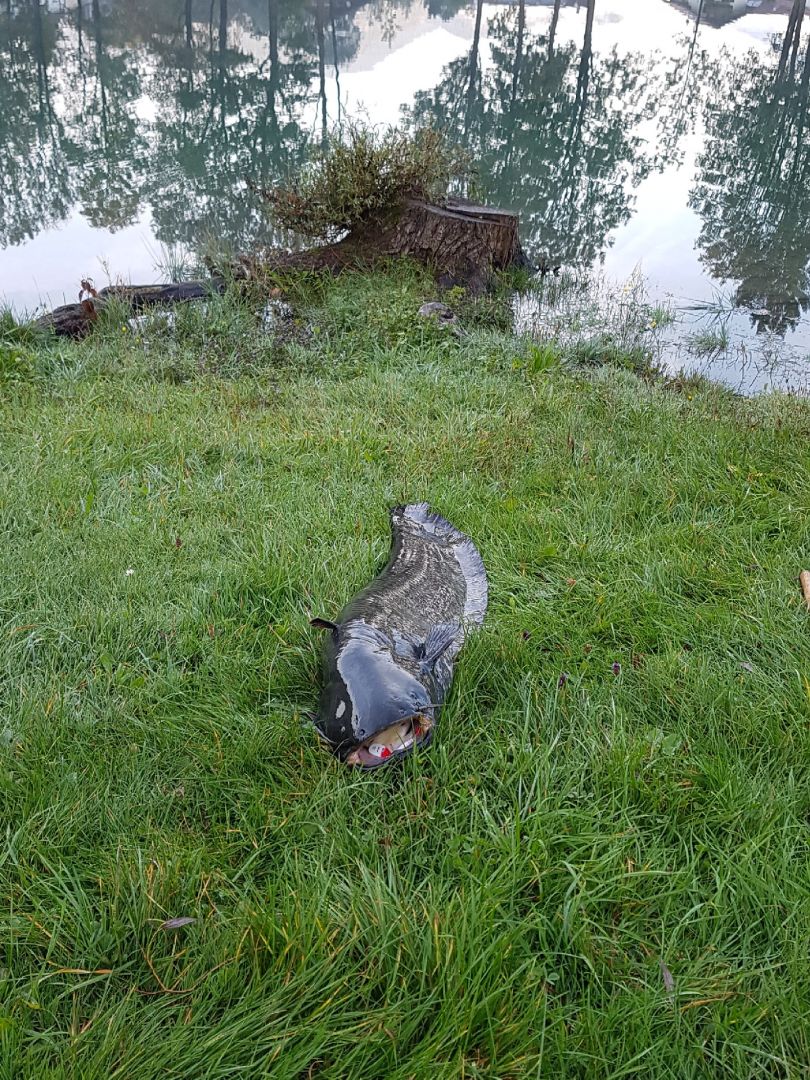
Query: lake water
x,y
665,141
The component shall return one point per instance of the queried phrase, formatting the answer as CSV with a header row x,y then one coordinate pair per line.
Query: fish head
x,y
368,687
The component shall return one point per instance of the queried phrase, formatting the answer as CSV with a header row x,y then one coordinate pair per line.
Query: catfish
x,y
388,659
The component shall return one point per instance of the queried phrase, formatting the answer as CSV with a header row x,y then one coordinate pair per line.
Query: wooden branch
x,y
804,580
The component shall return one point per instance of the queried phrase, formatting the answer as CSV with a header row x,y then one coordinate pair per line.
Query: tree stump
x,y
461,241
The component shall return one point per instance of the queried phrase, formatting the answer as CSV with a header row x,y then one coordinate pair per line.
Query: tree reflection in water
x,y
35,177
554,131
753,187
222,115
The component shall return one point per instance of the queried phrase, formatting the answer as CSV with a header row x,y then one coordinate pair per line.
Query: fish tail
x,y
419,518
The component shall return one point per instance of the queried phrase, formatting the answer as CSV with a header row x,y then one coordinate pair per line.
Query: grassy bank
x,y
600,868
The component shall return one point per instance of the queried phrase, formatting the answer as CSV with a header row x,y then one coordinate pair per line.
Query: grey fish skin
x,y
390,655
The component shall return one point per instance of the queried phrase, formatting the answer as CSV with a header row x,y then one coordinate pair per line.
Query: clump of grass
x,y
362,176
660,316
492,309
551,289
689,383
605,349
17,359
709,342
174,262
543,356
12,329
595,321
16,362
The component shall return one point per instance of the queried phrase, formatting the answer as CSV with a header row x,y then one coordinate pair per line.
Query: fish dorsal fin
x,y
417,519
324,624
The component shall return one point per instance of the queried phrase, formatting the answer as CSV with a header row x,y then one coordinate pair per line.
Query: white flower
x,y
129,571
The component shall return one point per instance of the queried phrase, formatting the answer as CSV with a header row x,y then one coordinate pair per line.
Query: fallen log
x,y
76,320
462,242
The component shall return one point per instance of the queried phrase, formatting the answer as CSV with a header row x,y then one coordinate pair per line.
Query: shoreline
x,y
578,318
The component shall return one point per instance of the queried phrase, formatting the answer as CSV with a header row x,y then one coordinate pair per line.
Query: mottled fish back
x,y
434,576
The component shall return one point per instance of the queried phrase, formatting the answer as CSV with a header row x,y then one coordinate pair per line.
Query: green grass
x,y
500,906
709,342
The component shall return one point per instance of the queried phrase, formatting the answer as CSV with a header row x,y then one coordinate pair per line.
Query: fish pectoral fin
x,y
438,641
406,647
324,624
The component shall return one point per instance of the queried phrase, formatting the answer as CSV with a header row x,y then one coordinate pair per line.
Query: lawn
x,y
600,866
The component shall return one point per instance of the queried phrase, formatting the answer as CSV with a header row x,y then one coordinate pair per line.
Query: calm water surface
x,y
662,142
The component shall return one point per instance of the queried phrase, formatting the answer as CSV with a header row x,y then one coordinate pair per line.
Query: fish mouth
x,y
392,742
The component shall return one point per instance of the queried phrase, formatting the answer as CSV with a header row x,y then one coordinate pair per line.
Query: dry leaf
x,y
666,975
176,924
